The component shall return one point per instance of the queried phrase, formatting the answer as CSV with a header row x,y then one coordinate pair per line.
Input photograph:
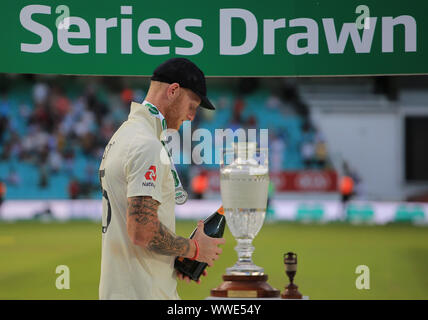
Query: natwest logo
x,y
151,173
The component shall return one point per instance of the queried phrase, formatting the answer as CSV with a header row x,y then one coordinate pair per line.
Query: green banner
x,y
224,37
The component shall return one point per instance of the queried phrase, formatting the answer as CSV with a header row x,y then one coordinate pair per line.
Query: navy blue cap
x,y
187,75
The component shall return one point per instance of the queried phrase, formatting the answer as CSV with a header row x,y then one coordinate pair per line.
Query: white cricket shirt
x,y
132,166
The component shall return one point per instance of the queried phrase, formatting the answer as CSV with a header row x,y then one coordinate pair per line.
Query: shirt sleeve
x,y
145,169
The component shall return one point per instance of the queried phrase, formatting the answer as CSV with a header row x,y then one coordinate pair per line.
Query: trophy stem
x,y
291,277
245,250
245,265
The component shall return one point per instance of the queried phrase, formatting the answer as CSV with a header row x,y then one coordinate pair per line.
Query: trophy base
x,y
291,292
236,286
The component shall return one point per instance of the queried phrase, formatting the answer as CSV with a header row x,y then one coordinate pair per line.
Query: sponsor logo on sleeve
x,y
150,176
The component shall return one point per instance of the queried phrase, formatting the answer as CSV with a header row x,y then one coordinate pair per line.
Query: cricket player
x,y
140,189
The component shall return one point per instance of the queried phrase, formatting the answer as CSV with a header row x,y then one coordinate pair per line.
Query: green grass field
x,y
397,256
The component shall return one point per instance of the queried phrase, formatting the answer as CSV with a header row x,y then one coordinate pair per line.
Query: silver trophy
x,y
244,182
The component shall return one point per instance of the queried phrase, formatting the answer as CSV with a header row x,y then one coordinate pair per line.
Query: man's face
x,y
182,108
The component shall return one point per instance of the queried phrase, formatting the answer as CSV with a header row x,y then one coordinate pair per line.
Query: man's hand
x,y
208,247
187,279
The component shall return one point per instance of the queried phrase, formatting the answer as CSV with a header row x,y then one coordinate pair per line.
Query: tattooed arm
x,y
145,229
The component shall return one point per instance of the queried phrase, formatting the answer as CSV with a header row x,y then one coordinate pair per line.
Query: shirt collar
x,y
139,112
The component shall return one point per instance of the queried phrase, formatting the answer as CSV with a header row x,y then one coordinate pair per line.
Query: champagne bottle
x,y
214,228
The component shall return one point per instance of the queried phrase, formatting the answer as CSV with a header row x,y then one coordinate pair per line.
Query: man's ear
x,y
173,91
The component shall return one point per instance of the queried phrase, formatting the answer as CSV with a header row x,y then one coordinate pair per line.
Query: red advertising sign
x,y
292,181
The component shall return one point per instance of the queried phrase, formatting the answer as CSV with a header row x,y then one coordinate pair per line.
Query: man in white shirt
x,y
140,191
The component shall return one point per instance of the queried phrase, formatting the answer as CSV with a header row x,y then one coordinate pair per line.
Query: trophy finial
x,y
290,261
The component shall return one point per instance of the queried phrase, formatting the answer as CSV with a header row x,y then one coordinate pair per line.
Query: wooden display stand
x,y
235,286
291,292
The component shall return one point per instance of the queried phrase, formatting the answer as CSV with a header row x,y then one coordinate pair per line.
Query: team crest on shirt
x,y
150,176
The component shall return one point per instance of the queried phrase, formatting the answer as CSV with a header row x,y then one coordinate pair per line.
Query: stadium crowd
x,y
52,123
